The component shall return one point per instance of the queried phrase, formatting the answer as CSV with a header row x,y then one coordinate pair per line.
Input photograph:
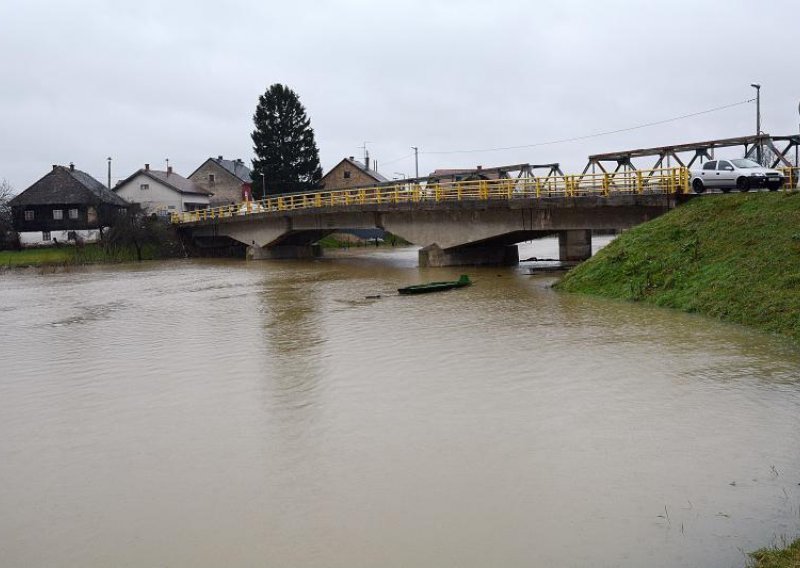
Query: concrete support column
x,y
283,252
574,246
433,256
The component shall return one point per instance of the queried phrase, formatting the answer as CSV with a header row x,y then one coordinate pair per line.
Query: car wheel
x,y
698,186
743,184
773,187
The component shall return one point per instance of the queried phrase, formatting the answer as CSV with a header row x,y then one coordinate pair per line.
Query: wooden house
x,y
65,205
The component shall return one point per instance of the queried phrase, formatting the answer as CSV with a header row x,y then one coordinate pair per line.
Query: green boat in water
x,y
436,286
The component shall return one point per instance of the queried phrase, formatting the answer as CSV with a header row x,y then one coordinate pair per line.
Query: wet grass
x,y
734,257
787,557
71,255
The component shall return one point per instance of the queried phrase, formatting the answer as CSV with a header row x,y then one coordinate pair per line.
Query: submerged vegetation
x,y
734,257
132,238
788,557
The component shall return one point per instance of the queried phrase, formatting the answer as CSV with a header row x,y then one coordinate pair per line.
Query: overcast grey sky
x,y
144,81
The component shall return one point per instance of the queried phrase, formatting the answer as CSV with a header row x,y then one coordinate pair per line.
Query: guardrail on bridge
x,y
605,184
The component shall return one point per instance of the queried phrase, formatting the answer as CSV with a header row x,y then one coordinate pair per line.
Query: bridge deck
x,y
661,181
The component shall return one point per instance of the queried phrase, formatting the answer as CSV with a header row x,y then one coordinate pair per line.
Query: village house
x,y
66,205
162,192
228,180
351,173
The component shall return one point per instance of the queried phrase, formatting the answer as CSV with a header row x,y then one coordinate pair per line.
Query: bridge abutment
x,y
284,252
574,246
503,255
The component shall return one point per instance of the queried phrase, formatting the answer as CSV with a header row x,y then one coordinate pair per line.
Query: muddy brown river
x,y
214,413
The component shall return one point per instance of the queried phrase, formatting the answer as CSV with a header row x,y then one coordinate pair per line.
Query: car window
x,y
723,165
744,163
710,166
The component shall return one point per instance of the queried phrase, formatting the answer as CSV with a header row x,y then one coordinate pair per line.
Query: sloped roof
x,y
358,165
238,169
372,173
234,167
170,179
67,186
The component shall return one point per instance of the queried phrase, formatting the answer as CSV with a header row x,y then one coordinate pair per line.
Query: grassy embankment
x,y
71,255
788,557
734,257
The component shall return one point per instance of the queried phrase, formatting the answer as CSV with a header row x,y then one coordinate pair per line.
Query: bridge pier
x,y
279,252
434,256
574,246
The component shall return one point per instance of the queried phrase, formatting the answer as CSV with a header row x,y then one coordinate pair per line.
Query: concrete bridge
x,y
455,223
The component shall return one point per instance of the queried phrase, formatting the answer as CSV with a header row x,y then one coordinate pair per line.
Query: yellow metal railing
x,y
605,184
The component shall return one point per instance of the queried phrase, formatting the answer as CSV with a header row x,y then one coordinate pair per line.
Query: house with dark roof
x,y
351,173
65,205
228,180
162,192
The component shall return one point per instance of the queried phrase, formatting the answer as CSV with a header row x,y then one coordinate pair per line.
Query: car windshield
x,y
745,164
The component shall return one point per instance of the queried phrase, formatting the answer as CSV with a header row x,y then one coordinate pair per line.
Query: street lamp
x,y
263,186
757,87
109,172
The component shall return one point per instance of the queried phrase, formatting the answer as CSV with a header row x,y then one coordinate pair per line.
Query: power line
x,y
397,159
594,135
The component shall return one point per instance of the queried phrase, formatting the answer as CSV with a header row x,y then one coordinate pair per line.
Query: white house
x,y
162,192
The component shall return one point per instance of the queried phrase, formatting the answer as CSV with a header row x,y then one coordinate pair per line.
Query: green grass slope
x,y
734,257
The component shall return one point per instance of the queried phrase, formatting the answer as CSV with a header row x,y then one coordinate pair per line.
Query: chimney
x,y
366,161
147,167
479,168
55,166
169,170
71,167
219,158
351,158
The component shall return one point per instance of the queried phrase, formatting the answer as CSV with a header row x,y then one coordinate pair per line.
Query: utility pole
x,y
757,87
109,172
416,161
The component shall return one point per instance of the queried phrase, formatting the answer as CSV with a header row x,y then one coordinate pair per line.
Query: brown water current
x,y
224,413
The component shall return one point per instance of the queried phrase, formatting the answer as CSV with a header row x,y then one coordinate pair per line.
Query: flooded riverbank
x,y
220,412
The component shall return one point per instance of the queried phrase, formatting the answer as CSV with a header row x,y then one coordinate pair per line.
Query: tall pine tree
x,y
283,142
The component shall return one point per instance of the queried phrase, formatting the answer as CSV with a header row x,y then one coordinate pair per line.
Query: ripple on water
x,y
276,405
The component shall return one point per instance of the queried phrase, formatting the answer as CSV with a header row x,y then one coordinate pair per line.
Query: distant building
x,y
162,192
444,175
65,205
350,173
226,179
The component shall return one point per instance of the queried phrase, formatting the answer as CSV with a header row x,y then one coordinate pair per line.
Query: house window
x,y
58,214
73,213
29,214
212,179
45,235
346,174
144,186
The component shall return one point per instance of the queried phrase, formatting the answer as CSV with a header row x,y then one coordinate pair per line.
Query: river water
x,y
223,413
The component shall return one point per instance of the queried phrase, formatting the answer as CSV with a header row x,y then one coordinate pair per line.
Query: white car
x,y
741,174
